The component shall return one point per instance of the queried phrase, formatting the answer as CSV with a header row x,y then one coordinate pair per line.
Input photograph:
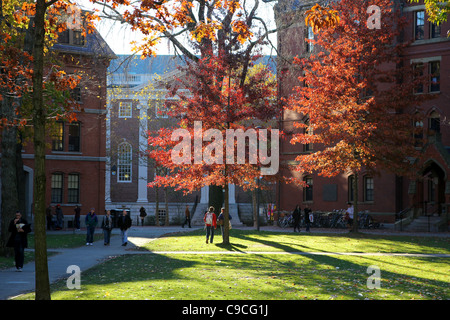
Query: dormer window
x,y
72,37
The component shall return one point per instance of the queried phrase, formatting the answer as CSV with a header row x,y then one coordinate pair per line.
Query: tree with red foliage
x,y
217,104
357,96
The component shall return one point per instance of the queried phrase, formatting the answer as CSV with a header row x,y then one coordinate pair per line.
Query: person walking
x,y
91,221
221,220
142,215
349,216
307,218
124,223
107,227
296,214
19,229
77,217
59,217
187,219
210,220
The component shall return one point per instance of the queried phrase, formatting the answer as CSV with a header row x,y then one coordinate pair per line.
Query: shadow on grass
x,y
255,276
271,276
232,247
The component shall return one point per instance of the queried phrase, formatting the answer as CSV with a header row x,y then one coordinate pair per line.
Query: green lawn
x,y
266,276
242,240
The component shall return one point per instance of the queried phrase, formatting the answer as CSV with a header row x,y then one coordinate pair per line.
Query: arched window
x,y
124,162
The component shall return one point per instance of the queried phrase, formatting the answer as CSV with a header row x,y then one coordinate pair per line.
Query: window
x,y
74,137
161,109
435,30
75,94
419,22
368,189
434,122
57,188
58,137
418,133
72,37
124,162
350,189
308,189
78,38
434,72
309,36
125,110
64,37
418,74
73,192
308,131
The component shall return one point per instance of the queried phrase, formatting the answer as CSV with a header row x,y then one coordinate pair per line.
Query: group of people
x,y
212,221
308,217
55,221
123,222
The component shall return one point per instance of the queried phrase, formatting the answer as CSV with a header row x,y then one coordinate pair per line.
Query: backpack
x,y
208,218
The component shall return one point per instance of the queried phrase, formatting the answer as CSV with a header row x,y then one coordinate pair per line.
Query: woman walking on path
x,y
142,215
107,227
307,218
210,220
296,215
91,221
124,223
19,229
187,217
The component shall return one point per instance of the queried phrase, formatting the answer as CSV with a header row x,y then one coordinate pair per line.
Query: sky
x,y
118,36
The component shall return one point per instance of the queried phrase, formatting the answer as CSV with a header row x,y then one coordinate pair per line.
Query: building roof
x,y
95,45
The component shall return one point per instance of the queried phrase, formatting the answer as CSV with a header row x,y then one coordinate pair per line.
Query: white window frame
x,y
125,109
124,162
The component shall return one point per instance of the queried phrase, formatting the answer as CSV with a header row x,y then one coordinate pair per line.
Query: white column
x,y
204,195
143,161
108,155
231,193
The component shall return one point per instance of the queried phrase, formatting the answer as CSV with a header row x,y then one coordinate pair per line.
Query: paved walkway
x,y
14,283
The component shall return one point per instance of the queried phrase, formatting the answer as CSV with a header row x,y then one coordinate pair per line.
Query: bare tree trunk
x,y
254,204
41,264
355,203
157,206
226,220
166,200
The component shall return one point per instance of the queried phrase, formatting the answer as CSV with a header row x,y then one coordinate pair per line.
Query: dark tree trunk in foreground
x,y
41,265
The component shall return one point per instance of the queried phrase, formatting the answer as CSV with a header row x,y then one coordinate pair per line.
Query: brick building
x,y
75,161
385,195
137,91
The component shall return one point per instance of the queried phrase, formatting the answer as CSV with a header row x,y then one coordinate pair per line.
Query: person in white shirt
x,y
349,214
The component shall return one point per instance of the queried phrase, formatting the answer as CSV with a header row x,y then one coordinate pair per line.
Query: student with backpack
x,y
210,220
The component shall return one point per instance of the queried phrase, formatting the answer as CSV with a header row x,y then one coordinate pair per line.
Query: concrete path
x,y
13,283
